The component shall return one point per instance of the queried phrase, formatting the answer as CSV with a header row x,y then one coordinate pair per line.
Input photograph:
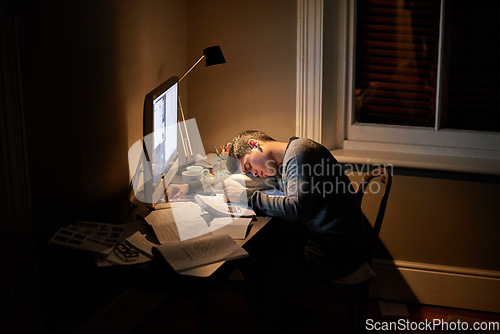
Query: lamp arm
x,y
194,65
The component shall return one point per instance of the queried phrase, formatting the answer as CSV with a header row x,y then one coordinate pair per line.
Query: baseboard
x,y
440,285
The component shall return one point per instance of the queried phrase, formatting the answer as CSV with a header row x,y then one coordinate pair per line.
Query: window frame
x,y
396,138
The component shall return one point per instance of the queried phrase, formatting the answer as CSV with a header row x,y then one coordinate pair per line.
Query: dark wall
x,y
74,114
86,68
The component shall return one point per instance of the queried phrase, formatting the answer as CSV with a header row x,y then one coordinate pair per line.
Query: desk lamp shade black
x,y
213,56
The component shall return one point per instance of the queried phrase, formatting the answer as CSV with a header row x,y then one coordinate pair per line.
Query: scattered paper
x,y
113,259
89,236
184,255
236,227
163,223
182,221
218,206
140,242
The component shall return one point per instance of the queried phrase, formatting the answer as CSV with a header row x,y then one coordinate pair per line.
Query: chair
x,y
357,313
386,178
353,290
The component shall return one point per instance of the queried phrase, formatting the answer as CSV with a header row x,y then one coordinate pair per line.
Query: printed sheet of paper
x,y
139,242
113,259
183,255
236,227
182,221
217,205
89,236
163,223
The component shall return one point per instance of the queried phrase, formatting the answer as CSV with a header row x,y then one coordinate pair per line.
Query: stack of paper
x,y
218,206
184,255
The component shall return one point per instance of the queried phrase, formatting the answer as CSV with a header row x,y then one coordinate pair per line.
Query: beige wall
x,y
255,89
439,220
86,69
150,41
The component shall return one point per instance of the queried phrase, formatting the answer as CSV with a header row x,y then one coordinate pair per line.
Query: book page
x,y
180,221
192,228
183,255
236,227
163,223
217,205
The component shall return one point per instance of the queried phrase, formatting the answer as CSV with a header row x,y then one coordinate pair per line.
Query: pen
x,y
164,188
218,154
228,200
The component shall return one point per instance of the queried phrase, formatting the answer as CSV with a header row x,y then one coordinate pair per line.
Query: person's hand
x,y
177,191
232,194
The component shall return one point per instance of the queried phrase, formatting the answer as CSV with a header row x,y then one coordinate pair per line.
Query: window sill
x,y
419,161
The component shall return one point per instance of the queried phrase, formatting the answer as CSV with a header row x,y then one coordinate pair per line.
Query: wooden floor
x,y
142,313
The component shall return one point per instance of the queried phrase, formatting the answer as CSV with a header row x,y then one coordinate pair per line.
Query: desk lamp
x,y
213,56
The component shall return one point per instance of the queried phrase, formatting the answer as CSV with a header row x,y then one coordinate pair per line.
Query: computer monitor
x,y
160,137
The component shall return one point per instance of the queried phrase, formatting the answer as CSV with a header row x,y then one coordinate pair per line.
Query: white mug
x,y
195,168
193,174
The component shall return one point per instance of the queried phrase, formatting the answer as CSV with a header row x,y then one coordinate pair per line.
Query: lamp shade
x,y
213,56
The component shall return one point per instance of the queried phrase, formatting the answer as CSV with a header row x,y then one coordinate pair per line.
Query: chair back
x,y
386,178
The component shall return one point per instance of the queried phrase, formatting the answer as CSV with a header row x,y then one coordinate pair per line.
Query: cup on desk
x,y
196,168
193,173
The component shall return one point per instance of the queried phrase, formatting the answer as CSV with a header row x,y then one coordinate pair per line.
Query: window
x,y
397,46
423,75
396,52
471,94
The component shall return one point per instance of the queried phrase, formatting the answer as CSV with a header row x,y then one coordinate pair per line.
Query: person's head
x,y
250,153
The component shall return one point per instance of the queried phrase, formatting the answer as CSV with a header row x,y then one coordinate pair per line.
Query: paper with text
x,y
184,255
236,227
181,221
218,206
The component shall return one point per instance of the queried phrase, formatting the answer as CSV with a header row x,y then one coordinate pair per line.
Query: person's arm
x,y
300,196
176,191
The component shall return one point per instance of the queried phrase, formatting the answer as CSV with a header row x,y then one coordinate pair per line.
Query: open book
x,y
237,228
180,221
193,253
183,221
216,205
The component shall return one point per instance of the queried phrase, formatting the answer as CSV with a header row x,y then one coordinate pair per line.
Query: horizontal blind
x,y
471,90
396,62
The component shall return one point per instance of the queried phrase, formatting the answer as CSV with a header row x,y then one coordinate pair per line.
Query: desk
x,y
200,281
209,269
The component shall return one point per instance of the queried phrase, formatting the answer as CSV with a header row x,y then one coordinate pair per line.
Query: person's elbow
x,y
292,211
